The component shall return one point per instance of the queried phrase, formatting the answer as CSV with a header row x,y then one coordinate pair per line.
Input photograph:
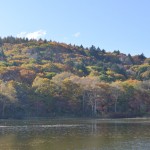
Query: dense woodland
x,y
40,78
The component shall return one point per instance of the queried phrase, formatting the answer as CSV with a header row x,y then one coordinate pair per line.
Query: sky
x,y
109,24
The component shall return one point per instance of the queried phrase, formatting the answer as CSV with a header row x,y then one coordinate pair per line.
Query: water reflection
x,y
75,134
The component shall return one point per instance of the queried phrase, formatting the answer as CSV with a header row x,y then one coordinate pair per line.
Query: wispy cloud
x,y
77,34
32,35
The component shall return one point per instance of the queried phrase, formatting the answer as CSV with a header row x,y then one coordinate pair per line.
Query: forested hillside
x,y
47,79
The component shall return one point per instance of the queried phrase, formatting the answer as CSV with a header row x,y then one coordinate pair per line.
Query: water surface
x,y
75,134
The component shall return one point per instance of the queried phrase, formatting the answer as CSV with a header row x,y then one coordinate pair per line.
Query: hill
x,y
47,78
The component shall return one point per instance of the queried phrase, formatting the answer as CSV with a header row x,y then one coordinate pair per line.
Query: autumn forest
x,y
40,78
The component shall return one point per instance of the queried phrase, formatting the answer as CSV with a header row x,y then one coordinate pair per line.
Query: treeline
x,y
17,40
69,95
40,78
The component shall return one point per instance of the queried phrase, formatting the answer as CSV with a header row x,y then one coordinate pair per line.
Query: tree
x,y
92,48
1,42
117,52
98,49
72,93
93,96
147,60
27,75
116,91
8,97
42,99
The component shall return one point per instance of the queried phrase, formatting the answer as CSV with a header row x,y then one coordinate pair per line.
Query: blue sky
x,y
110,24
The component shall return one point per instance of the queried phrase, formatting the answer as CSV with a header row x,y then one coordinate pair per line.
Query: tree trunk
x,y
115,106
3,110
95,107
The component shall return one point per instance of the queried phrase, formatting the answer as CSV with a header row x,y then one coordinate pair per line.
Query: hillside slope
x,y
46,78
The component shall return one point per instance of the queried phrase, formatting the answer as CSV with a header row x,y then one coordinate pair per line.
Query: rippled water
x,y
75,134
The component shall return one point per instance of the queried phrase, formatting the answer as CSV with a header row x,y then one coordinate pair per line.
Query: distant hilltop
x,y
20,53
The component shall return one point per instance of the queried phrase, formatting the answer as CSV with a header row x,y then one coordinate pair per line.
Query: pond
x,y
75,134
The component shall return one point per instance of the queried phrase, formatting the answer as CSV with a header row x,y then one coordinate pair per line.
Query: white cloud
x,y
77,34
32,35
